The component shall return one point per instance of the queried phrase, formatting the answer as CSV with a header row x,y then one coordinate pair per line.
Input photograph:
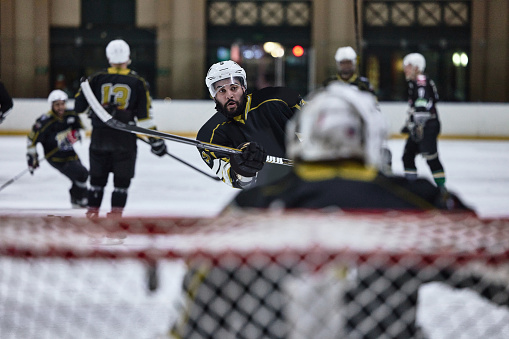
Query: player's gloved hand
x,y
158,146
250,161
33,162
73,136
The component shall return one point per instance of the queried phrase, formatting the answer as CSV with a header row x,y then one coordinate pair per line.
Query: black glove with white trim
x,y
158,146
250,161
32,161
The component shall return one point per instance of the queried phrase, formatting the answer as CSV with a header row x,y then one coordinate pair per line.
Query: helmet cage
x,y
233,80
224,70
338,123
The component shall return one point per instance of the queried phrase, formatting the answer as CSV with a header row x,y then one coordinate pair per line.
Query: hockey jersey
x,y
126,96
349,187
51,131
263,121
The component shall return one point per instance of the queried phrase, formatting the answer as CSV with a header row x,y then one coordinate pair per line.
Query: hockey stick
x,y
184,162
111,122
356,23
26,170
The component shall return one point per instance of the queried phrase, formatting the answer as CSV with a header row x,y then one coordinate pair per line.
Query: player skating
x,y
57,131
254,123
423,125
126,96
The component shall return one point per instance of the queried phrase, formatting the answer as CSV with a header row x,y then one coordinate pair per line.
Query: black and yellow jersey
x,y
349,187
263,121
360,82
51,131
126,96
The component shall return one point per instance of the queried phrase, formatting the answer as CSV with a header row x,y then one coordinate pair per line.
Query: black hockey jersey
x,y
422,94
51,131
315,185
263,121
126,96
360,82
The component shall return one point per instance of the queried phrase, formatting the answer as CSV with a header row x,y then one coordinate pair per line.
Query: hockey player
x,y
5,102
57,131
126,96
337,162
254,123
346,63
422,124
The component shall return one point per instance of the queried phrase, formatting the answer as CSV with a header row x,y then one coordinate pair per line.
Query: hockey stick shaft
x,y
26,170
184,162
111,122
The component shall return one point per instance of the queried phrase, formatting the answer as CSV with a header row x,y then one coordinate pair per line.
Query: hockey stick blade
x,y
111,122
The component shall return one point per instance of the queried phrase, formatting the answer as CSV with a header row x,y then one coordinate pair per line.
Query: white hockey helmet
x,y
341,122
346,53
415,59
118,52
57,95
224,70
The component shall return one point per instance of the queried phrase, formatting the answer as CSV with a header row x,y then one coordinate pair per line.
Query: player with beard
x,y
254,123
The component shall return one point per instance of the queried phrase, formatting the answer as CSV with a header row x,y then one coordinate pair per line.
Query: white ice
x,y
476,170
91,299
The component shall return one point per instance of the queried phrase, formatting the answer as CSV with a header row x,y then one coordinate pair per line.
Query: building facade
x,y
46,44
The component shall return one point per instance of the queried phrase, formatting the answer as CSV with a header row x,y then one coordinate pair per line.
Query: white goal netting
x,y
256,275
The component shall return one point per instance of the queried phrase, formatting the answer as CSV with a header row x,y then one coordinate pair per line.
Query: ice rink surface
x,y
104,300
476,170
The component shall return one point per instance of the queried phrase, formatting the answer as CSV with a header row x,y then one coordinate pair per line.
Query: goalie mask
x,y
225,70
339,123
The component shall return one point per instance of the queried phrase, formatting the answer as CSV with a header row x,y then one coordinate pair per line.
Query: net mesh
x,y
256,275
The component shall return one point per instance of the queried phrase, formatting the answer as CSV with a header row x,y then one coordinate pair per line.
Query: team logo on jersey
x,y
421,80
71,120
205,157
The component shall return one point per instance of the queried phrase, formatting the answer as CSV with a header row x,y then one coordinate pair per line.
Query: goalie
x,y
335,166
338,161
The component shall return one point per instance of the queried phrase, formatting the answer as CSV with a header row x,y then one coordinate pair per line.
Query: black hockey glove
x,y
3,116
158,146
33,162
250,161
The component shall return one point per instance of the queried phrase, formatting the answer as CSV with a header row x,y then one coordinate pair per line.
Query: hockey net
x,y
256,275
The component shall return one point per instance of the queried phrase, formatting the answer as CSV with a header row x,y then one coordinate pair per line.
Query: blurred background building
x,y
47,44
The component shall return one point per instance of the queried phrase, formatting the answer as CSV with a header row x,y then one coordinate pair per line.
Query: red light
x,y
298,51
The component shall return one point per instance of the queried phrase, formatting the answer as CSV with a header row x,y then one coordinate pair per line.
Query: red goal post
x,y
256,274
